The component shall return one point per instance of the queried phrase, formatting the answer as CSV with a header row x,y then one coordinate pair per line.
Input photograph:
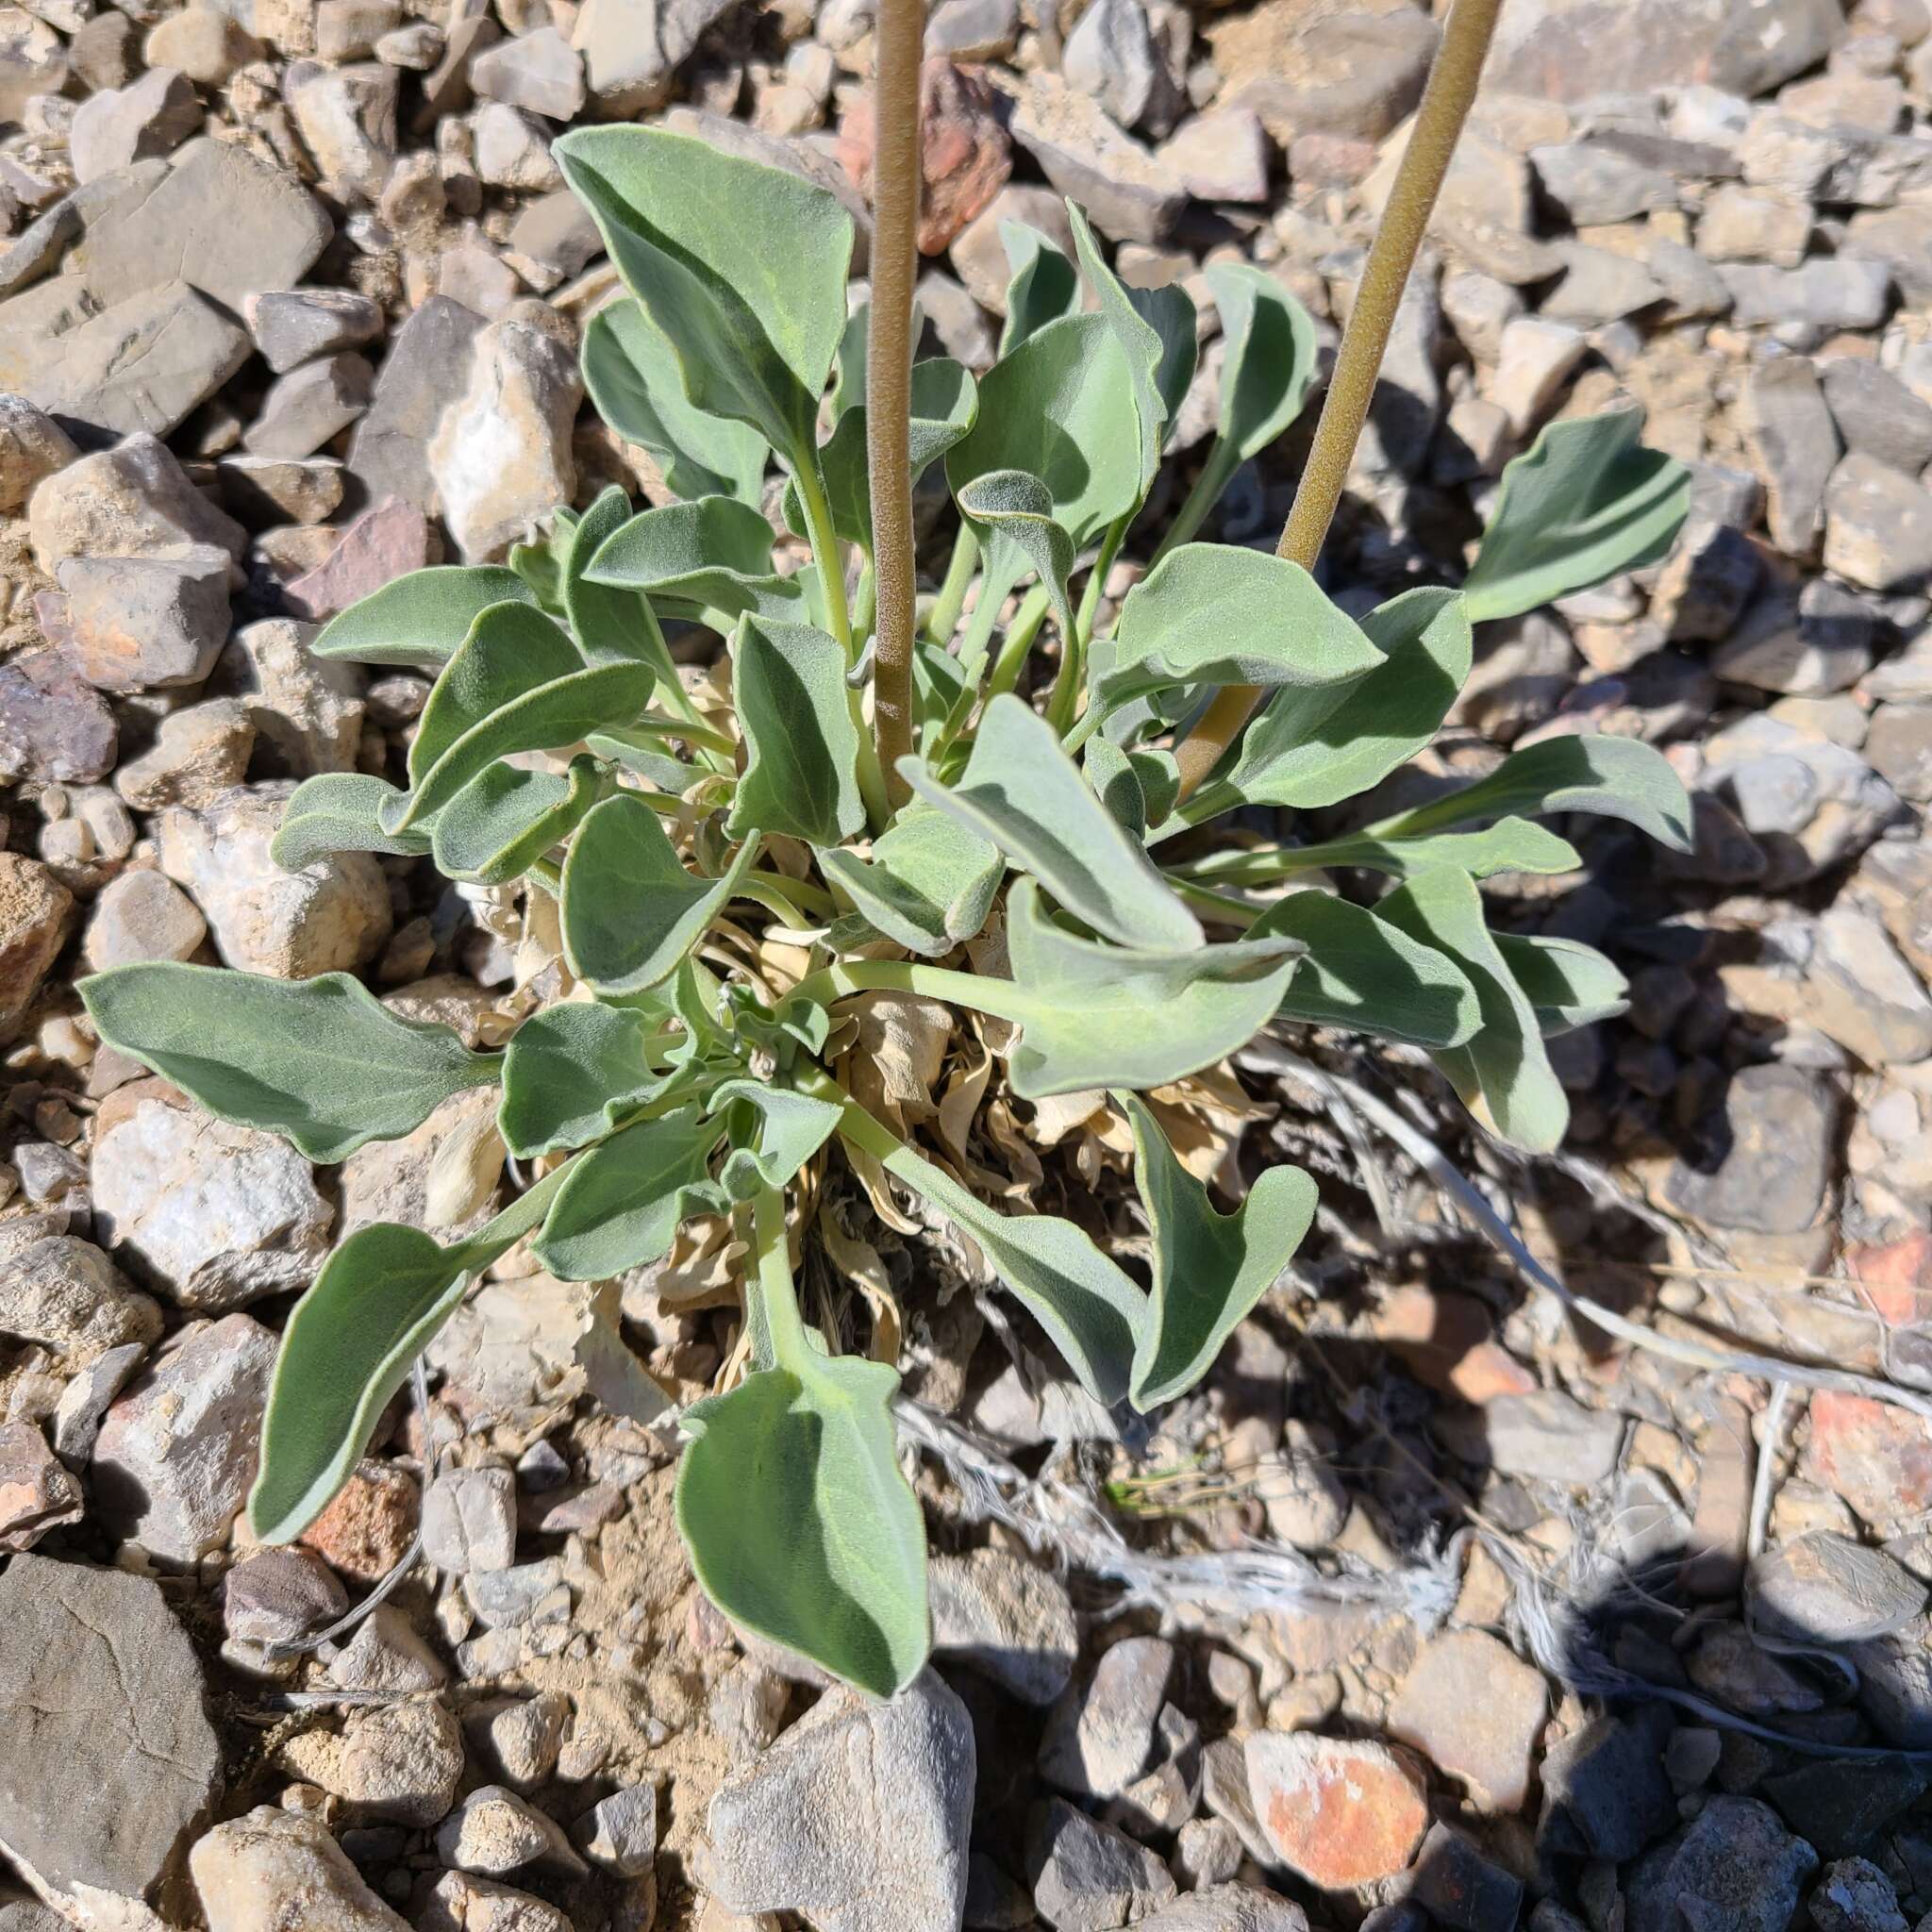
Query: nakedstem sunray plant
x,y
666,1089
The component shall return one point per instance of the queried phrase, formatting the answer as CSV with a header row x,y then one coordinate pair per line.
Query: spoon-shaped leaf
x,y
1210,1269
1016,511
322,1062
1585,501
801,773
506,819
1043,286
419,619
712,554
1023,793
928,885
570,1074
1269,364
634,379
339,811
631,912
774,1132
611,625
1569,985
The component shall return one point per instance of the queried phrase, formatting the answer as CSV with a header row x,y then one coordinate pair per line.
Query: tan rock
x,y
1477,1711
34,906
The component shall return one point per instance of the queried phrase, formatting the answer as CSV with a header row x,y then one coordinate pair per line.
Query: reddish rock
x,y
365,1532
1878,1458
1339,1811
380,545
1897,1279
37,1492
53,725
1445,1342
965,153
1477,1711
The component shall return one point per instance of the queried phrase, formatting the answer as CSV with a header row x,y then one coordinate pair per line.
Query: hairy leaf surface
x,y
928,885
341,812
570,1074
505,819
623,1198
801,774
418,621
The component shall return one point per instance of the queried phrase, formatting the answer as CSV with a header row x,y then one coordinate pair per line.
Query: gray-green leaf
x,y
773,1130
1269,366
1502,1073
1017,512
712,554
928,885
611,625
630,909
1613,777
801,774
1210,1269
1022,791
505,819
570,1074
1585,501
341,812
621,1205
633,377
1569,985
419,619
1043,286
321,1061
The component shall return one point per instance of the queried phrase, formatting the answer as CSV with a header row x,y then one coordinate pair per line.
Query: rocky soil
x,y
1443,1605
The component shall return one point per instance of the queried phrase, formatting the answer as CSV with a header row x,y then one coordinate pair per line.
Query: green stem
x,y
872,777
944,619
994,588
758,888
525,1212
865,601
1089,722
801,892
1070,685
1221,905
1224,460
826,552
1445,104
974,989
777,1330
1018,641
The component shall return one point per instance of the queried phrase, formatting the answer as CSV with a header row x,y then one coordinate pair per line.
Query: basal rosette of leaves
x,y
1042,803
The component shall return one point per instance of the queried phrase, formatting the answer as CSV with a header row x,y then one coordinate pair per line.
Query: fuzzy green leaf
x,y
341,812
1022,791
1502,1073
1315,747
611,626
1509,846
633,377
1094,1015
799,1523
504,820
630,911
419,619
928,885
376,1305
1139,787
1043,286
1613,777
801,773
1269,366
1087,1303
1060,406
1217,614
322,1062
1016,511
1155,329
1364,974
774,1132
570,1074
1210,1269
1569,985
1584,502
712,554
741,266
621,1205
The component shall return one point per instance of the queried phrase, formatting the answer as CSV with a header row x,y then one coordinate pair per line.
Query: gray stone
x,y
1899,747
518,1737
399,1763
1551,1435
426,369
461,1903
1878,525
1878,415
39,247
63,1293
857,1817
1593,183
133,500
32,448
1809,645
1228,1909
620,1832
311,406
553,239
346,117
1101,1735
144,622
1606,1794
386,1654
331,916
309,708
151,116
973,29
539,71
978,253
294,325
1795,442
1461,1890
273,1869
1864,995
1854,1895
178,1450
1600,286
493,1831
1845,293
1011,1620
141,916
1766,1161
37,1492
1892,243
1112,56
511,149
1128,196
1353,73
222,220
1737,1867
1220,156
32,61
206,44
273,491
142,365
198,753
280,1596
632,47
470,1520
1086,1875
1838,1805
107,1758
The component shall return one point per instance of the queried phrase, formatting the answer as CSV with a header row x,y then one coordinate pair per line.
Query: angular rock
x,y
1111,55
53,725
1606,1794
386,1654
459,1903
1836,1804
1595,183
294,325
493,1831
37,1492
1795,443
501,459
1551,1435
964,154
1086,1875
273,491
1877,526
1477,1712
273,1869
1892,243
857,1817
426,371
620,1832
1128,196
1737,1866
1878,1458
280,1596
108,1760
979,255
1809,645
380,545
309,709
1878,415
1863,993
133,500
203,44
470,1520
311,406
1228,1909
518,1737
1101,1735
34,906
332,916
153,115
37,250
198,755
1338,1811
1459,1889
399,1762
32,448
1220,156
1825,1589
1310,71
63,1293
1533,359
366,1529
1840,293
539,71
1765,1165
346,117
144,622
1009,1620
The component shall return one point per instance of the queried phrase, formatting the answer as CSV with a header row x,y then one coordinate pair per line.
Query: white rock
x,y
274,1872
400,1762
309,708
64,1293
